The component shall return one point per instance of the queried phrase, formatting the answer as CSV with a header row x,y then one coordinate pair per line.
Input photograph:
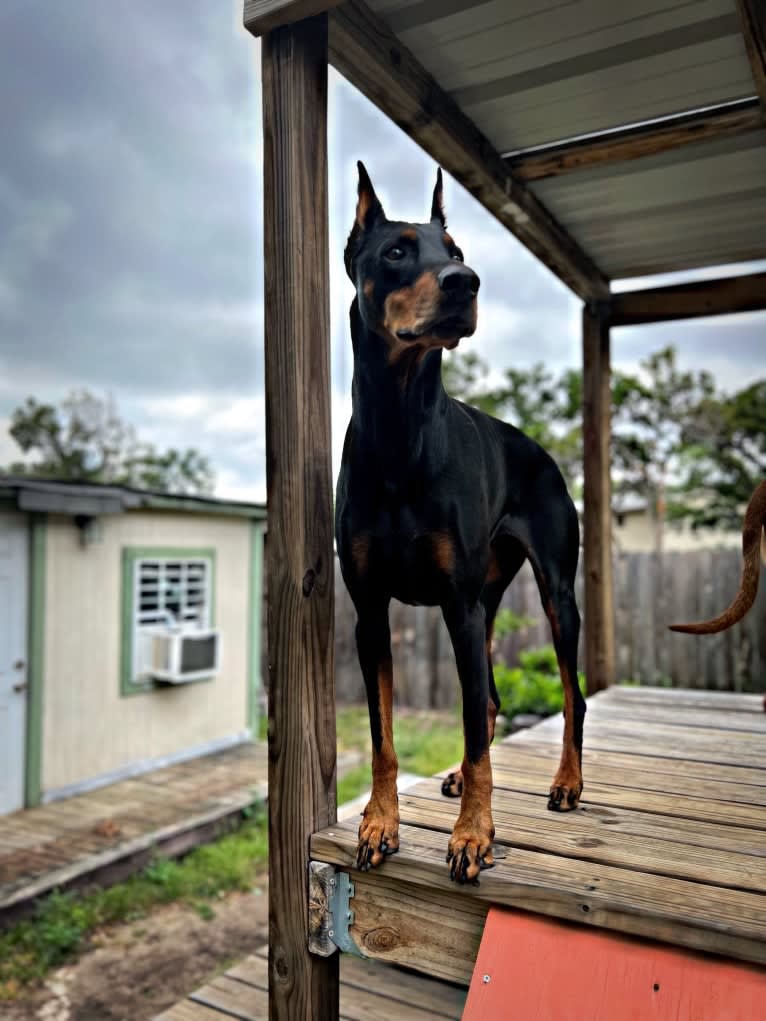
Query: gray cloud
x,y
131,231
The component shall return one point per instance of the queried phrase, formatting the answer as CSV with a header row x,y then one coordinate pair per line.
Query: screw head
x,y
485,980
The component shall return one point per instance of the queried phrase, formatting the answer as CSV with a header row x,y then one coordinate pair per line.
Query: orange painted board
x,y
531,968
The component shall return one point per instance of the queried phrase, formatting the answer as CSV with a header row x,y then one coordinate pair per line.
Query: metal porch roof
x,y
537,72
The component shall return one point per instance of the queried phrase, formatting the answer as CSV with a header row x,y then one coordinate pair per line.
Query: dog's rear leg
x,y
379,829
561,609
470,846
452,785
567,784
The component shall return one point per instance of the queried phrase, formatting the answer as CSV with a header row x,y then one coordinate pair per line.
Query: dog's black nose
x,y
459,281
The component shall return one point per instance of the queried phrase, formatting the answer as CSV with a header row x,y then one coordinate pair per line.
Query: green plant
x,y
425,743
507,622
532,687
63,922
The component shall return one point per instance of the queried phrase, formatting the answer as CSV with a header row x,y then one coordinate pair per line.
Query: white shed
x,y
130,632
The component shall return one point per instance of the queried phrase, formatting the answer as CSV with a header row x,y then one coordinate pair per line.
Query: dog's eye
x,y
458,255
395,254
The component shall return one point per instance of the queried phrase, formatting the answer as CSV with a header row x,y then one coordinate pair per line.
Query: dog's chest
x,y
412,557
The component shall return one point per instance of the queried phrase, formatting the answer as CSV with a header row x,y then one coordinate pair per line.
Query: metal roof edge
x,y
91,499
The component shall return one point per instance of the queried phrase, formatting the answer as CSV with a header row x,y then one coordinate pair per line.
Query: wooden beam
x,y
688,301
597,514
262,15
638,140
752,15
365,51
299,487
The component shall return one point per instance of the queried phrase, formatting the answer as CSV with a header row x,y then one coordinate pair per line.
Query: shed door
x,y
13,654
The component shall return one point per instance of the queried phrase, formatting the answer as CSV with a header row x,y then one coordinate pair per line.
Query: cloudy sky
x,y
130,232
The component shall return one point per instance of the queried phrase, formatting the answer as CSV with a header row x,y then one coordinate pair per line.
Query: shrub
x,y
532,687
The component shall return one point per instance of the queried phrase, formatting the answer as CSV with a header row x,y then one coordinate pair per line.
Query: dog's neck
x,y
397,408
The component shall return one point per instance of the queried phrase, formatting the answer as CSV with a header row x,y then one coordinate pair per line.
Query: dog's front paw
x,y
452,784
470,850
378,834
565,793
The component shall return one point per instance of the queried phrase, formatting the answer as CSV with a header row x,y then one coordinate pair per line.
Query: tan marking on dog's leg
x,y
452,784
470,846
491,717
567,784
379,829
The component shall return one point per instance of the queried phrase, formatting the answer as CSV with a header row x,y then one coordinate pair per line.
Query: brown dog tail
x,y
753,525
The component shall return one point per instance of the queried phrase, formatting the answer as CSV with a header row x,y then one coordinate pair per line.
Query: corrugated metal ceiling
x,y
701,205
534,72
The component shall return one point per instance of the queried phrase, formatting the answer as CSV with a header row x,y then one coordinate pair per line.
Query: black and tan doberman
x,y
440,504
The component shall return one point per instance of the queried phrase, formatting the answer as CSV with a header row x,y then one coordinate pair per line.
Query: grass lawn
x,y
425,743
63,922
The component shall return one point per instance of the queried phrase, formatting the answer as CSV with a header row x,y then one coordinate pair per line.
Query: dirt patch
x,y
134,971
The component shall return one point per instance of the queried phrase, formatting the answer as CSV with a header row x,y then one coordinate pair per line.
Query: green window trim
x,y
130,557
33,752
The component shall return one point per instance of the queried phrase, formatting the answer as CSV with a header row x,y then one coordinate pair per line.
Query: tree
x,y
85,440
724,456
689,451
651,412
546,408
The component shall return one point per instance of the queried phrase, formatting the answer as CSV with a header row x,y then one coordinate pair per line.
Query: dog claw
x,y
564,798
467,862
452,785
378,838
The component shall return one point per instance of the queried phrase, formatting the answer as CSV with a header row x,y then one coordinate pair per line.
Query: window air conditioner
x,y
180,656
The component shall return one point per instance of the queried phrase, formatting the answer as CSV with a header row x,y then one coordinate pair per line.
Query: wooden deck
x,y
108,833
368,992
669,843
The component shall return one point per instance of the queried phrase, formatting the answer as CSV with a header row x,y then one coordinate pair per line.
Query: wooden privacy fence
x,y
648,595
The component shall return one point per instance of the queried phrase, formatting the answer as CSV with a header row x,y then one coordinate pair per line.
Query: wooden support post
x,y
599,608
299,485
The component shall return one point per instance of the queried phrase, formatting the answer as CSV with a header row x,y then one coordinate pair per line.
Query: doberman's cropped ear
x,y
368,212
368,207
437,204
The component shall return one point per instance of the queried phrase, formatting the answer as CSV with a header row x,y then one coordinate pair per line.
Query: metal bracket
x,y
341,915
330,914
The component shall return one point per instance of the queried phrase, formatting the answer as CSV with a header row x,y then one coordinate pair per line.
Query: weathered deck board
x,y
724,747
736,784
669,843
368,992
687,697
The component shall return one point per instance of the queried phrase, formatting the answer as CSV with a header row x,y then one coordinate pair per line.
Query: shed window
x,y
172,592
162,589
